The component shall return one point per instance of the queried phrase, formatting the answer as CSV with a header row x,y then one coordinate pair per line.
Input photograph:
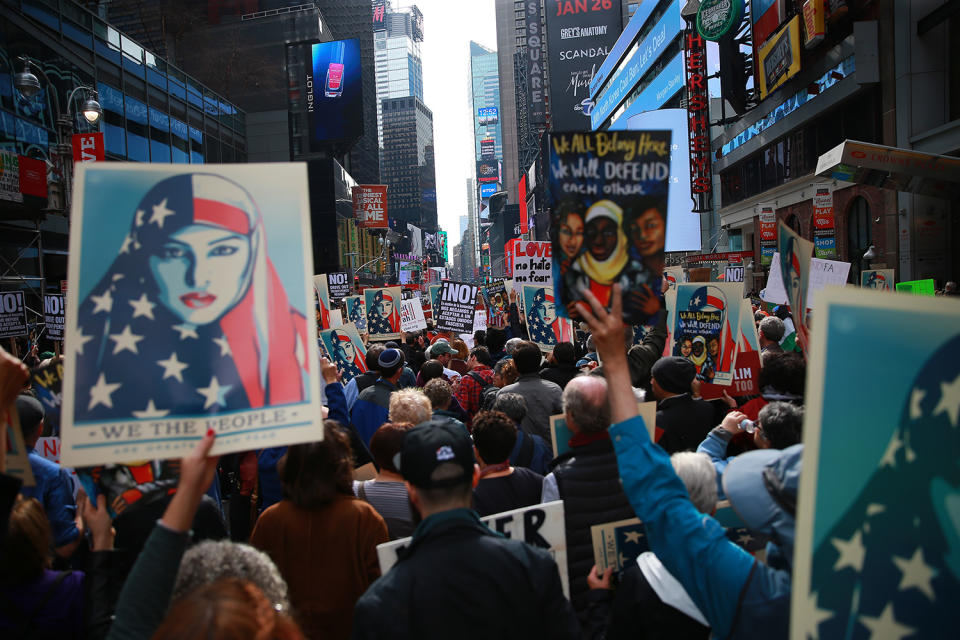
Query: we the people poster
x,y
356,312
345,349
383,312
878,524
607,193
544,325
706,327
190,293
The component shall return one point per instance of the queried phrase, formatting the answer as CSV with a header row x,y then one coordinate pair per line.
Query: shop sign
x,y
698,125
716,18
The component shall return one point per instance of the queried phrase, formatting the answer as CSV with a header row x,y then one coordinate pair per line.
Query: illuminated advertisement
x,y
488,115
334,98
767,16
488,171
488,149
580,35
487,190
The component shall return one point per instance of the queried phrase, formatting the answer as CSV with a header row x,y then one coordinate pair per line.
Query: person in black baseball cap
x,y
685,421
456,577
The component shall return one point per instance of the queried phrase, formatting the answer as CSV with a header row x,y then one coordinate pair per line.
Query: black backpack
x,y
488,391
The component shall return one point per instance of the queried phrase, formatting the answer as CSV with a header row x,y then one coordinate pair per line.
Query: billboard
x,y
579,38
488,189
488,149
379,13
488,171
334,97
779,58
370,205
488,115
536,74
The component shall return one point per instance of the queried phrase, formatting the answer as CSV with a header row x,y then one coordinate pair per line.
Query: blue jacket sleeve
x,y
337,404
715,446
691,545
351,393
62,510
367,418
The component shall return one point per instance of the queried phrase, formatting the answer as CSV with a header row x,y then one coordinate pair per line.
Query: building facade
x,y
399,64
408,162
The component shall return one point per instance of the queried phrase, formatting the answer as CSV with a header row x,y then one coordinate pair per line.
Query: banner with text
x,y
411,315
457,303
370,206
13,315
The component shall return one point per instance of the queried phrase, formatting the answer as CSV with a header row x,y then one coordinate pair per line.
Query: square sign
x,y
13,315
457,302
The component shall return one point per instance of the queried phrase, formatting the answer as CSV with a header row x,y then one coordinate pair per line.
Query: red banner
x,y
370,206
746,376
88,147
33,177
522,189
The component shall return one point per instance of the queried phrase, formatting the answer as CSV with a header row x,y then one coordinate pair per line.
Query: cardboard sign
x,y
540,525
880,279
746,374
795,254
339,285
877,529
47,383
344,348
336,318
497,297
608,194
457,304
560,433
356,312
411,315
156,354
54,315
617,544
479,320
733,274
706,328
672,276
823,273
532,263
13,315
383,312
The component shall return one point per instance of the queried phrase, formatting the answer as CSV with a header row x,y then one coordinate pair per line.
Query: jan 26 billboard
x,y
334,92
579,38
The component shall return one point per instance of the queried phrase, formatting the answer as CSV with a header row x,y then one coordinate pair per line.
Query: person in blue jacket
x,y
739,596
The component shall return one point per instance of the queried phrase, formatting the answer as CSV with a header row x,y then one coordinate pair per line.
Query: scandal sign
x,y
698,126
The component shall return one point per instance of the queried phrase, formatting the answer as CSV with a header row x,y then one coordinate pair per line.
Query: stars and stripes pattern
x,y
890,567
560,330
349,368
356,313
377,324
710,298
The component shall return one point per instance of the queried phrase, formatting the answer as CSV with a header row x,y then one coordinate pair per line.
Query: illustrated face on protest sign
x,y
356,312
383,312
746,372
322,293
877,528
706,328
881,279
608,198
545,327
795,254
345,349
190,289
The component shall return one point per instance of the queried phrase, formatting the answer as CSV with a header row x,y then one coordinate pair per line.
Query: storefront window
x,y
859,235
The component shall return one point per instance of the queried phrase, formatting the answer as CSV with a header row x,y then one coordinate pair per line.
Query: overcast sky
x,y
448,28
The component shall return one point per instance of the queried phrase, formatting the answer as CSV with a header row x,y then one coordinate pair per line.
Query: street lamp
x,y
29,86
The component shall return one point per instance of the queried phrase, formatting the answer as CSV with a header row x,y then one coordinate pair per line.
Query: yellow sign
x,y
780,57
814,19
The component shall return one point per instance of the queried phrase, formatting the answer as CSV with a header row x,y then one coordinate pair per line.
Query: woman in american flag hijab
x,y
191,317
383,316
349,361
545,327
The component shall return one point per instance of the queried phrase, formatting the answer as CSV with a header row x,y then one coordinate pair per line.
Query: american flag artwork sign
x,y
187,311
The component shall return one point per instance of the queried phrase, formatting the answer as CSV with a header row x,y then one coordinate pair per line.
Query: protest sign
x,y
497,298
434,291
336,318
823,273
540,526
383,313
617,544
167,338
882,279
18,461
124,485
560,433
457,303
411,315
608,195
13,315
53,315
795,254
345,349
47,383
544,324
877,530
918,287
356,312
322,301
672,276
706,328
746,373
733,273
479,320
339,285
532,263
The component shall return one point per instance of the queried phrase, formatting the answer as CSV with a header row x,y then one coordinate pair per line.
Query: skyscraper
x,y
510,38
408,166
399,64
485,95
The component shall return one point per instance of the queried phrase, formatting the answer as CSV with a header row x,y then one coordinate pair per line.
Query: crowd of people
x,y
430,437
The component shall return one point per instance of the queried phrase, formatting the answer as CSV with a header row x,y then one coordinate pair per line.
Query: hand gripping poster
x,y
356,312
881,279
706,327
878,526
608,201
545,327
322,300
383,313
190,290
345,349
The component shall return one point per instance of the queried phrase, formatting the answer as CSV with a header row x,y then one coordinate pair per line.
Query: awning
x,y
892,168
